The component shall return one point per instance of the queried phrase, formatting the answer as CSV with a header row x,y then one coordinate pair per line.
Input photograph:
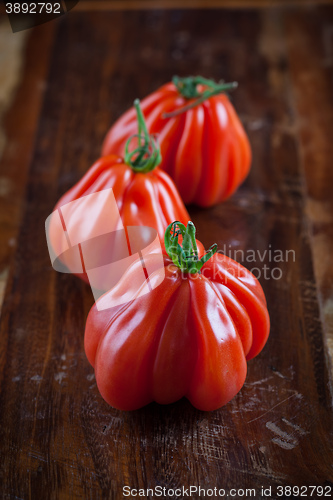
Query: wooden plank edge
x,y
311,90
110,5
34,55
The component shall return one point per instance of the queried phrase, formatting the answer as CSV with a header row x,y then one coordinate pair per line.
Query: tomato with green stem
x,y
145,196
190,336
204,146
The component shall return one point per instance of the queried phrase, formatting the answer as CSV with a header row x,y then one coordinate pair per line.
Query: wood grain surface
x,y
58,438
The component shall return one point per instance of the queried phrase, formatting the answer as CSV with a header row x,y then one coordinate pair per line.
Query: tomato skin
x,y
143,199
190,336
205,149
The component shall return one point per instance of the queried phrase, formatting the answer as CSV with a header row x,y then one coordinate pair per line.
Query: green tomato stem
x,y
185,256
188,88
147,155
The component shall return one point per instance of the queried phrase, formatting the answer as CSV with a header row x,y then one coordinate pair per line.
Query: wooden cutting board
x,y
58,438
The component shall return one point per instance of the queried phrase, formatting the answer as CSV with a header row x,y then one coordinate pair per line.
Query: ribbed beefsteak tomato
x,y
190,336
203,144
145,196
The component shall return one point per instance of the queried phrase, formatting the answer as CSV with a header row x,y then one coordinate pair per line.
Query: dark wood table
x,y
64,84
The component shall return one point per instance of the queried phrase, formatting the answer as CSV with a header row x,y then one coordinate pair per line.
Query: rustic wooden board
x,y
24,81
59,439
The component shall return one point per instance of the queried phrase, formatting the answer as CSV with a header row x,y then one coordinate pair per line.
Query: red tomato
x,y
203,144
144,194
190,336
143,199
